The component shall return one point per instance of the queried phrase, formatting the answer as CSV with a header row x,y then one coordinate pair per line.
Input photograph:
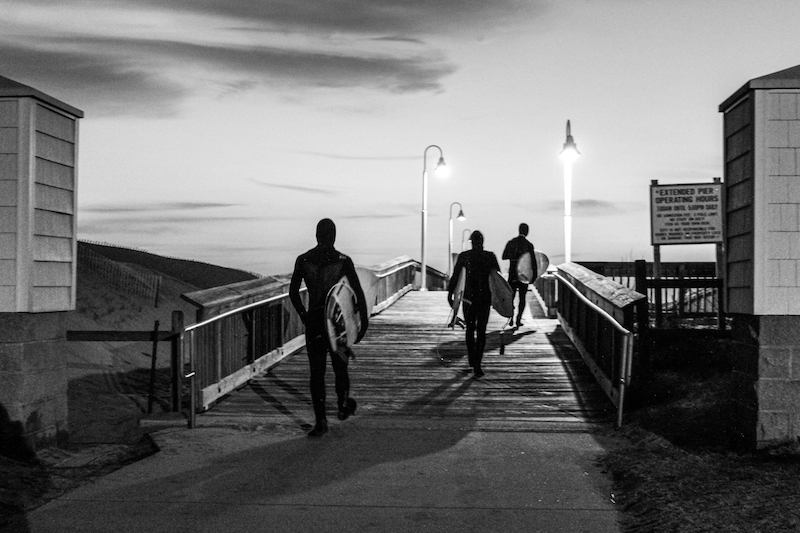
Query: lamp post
x,y
441,170
450,241
569,153
463,240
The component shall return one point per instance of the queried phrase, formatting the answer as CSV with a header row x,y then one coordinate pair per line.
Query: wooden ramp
x,y
410,372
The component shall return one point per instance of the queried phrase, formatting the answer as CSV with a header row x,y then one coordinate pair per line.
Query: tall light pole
x,y
463,240
450,241
441,170
568,154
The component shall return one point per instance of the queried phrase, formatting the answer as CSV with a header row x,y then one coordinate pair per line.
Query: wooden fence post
x,y
682,291
152,388
176,364
642,312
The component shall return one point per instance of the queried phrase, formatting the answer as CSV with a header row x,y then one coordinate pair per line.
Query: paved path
x,y
429,449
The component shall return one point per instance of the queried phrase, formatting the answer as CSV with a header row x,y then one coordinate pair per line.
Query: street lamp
x,y
463,240
440,170
568,154
450,242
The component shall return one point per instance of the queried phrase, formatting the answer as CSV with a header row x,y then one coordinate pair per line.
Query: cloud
x,y
159,225
398,39
296,188
381,211
145,79
377,216
149,57
149,208
592,207
360,157
418,17
92,81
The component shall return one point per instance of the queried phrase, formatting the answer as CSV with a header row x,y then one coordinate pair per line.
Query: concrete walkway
x,y
429,449
352,479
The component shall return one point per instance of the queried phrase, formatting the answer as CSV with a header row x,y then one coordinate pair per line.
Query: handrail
x,y
594,306
627,346
238,310
251,327
396,269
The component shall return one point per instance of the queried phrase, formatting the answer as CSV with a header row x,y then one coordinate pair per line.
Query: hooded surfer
x,y
321,268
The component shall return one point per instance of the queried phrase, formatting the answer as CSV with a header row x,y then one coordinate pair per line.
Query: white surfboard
x,y
525,272
458,294
342,318
542,262
502,295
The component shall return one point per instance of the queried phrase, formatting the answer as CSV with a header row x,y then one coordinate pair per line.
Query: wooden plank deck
x,y
410,372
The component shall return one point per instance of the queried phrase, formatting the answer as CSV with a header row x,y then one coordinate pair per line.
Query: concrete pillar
x,y
38,249
762,263
33,382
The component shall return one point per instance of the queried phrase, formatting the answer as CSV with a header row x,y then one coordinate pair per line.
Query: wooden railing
x,y
545,293
244,328
681,290
153,336
599,316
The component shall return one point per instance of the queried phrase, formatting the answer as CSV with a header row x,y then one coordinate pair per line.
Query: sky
x,y
223,130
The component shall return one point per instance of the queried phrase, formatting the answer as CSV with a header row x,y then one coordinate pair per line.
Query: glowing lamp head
x,y
442,170
570,151
461,215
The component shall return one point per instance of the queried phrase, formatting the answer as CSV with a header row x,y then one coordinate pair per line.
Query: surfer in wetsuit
x,y
321,268
513,251
477,298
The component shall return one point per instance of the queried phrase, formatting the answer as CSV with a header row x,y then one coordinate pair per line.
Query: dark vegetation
x,y
678,467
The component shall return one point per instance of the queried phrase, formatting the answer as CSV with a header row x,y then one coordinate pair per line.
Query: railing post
x,y
642,312
192,377
681,291
218,350
176,361
721,305
151,390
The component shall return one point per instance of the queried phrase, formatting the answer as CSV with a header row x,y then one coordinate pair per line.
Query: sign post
x,y
684,214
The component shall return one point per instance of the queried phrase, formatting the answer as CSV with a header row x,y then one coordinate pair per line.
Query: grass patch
x,y
676,468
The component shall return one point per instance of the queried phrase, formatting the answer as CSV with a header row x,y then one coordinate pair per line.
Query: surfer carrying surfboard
x,y
477,264
521,271
321,268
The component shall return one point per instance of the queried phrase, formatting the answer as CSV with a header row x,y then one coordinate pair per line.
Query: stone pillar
x,y
762,259
34,382
38,245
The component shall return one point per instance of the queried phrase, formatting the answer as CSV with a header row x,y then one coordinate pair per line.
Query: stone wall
x,y
766,394
33,381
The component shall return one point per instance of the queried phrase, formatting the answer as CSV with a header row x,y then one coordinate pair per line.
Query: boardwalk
x,y
429,449
411,371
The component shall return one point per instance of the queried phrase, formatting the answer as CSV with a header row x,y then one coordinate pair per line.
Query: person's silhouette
x,y
514,249
321,268
477,299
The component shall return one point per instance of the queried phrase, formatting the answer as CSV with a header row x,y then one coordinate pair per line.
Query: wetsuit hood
x,y
477,240
326,232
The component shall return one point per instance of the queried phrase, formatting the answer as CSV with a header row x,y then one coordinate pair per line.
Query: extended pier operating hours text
x,y
686,214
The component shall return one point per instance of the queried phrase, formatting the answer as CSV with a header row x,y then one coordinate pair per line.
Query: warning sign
x,y
686,214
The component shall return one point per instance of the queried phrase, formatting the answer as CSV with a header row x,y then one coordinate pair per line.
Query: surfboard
x,y
502,295
542,262
342,319
458,295
525,273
